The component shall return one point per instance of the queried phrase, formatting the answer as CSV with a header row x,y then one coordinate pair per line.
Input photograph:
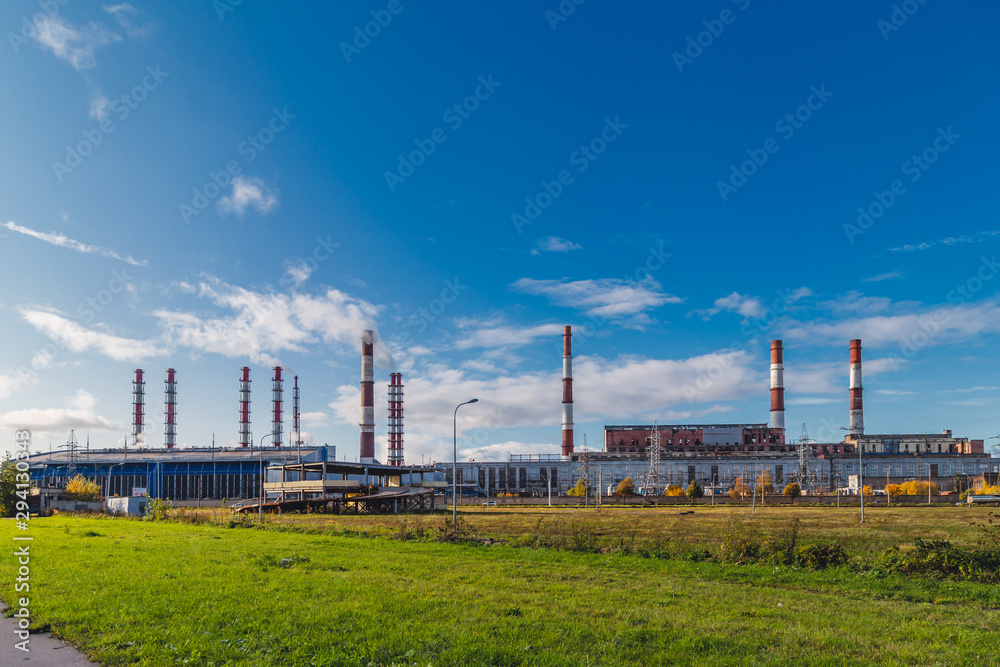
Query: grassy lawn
x,y
158,593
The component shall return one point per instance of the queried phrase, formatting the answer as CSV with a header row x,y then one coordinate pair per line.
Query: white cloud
x,y
11,385
125,15
614,299
78,414
77,338
249,192
949,241
895,392
555,244
626,388
892,275
908,328
99,106
298,271
752,307
315,418
62,241
747,306
497,333
263,324
75,46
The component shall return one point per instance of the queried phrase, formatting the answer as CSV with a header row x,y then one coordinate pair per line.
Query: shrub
x,y
157,509
917,487
579,490
781,545
740,541
80,488
942,558
821,556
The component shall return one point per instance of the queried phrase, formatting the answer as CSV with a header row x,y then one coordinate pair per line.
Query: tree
x,y
740,489
694,490
625,488
8,488
917,487
579,490
765,483
867,490
80,488
674,490
792,490
893,490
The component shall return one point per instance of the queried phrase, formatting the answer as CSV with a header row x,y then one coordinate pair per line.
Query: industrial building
x,y
714,455
285,469
653,455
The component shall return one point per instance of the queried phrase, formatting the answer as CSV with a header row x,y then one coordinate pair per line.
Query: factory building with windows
x,y
715,455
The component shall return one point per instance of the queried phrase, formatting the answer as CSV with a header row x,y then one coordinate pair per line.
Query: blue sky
x,y
207,185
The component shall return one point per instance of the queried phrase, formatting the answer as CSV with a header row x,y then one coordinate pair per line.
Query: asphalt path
x,y
44,650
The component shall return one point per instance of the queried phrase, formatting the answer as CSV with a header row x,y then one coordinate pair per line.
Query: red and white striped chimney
x,y
395,419
138,408
567,414
777,387
277,389
367,397
170,402
245,439
857,426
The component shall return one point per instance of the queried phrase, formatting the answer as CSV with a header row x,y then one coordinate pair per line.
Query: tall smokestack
x,y
367,397
170,402
567,416
857,411
395,419
138,408
245,440
777,387
276,391
295,412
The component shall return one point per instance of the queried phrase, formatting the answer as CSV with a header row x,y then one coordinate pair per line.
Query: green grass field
x,y
131,592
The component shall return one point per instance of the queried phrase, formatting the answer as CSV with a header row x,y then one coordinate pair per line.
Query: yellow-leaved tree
x,y
674,490
80,488
740,489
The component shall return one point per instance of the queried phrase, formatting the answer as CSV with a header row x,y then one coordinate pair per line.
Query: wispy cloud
x,y
126,16
617,300
943,324
949,241
967,390
750,307
555,244
63,241
249,192
895,392
495,333
745,305
77,338
71,44
298,271
79,414
260,325
892,275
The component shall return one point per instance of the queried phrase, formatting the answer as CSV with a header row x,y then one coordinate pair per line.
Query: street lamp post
x,y
454,470
260,455
108,488
861,474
